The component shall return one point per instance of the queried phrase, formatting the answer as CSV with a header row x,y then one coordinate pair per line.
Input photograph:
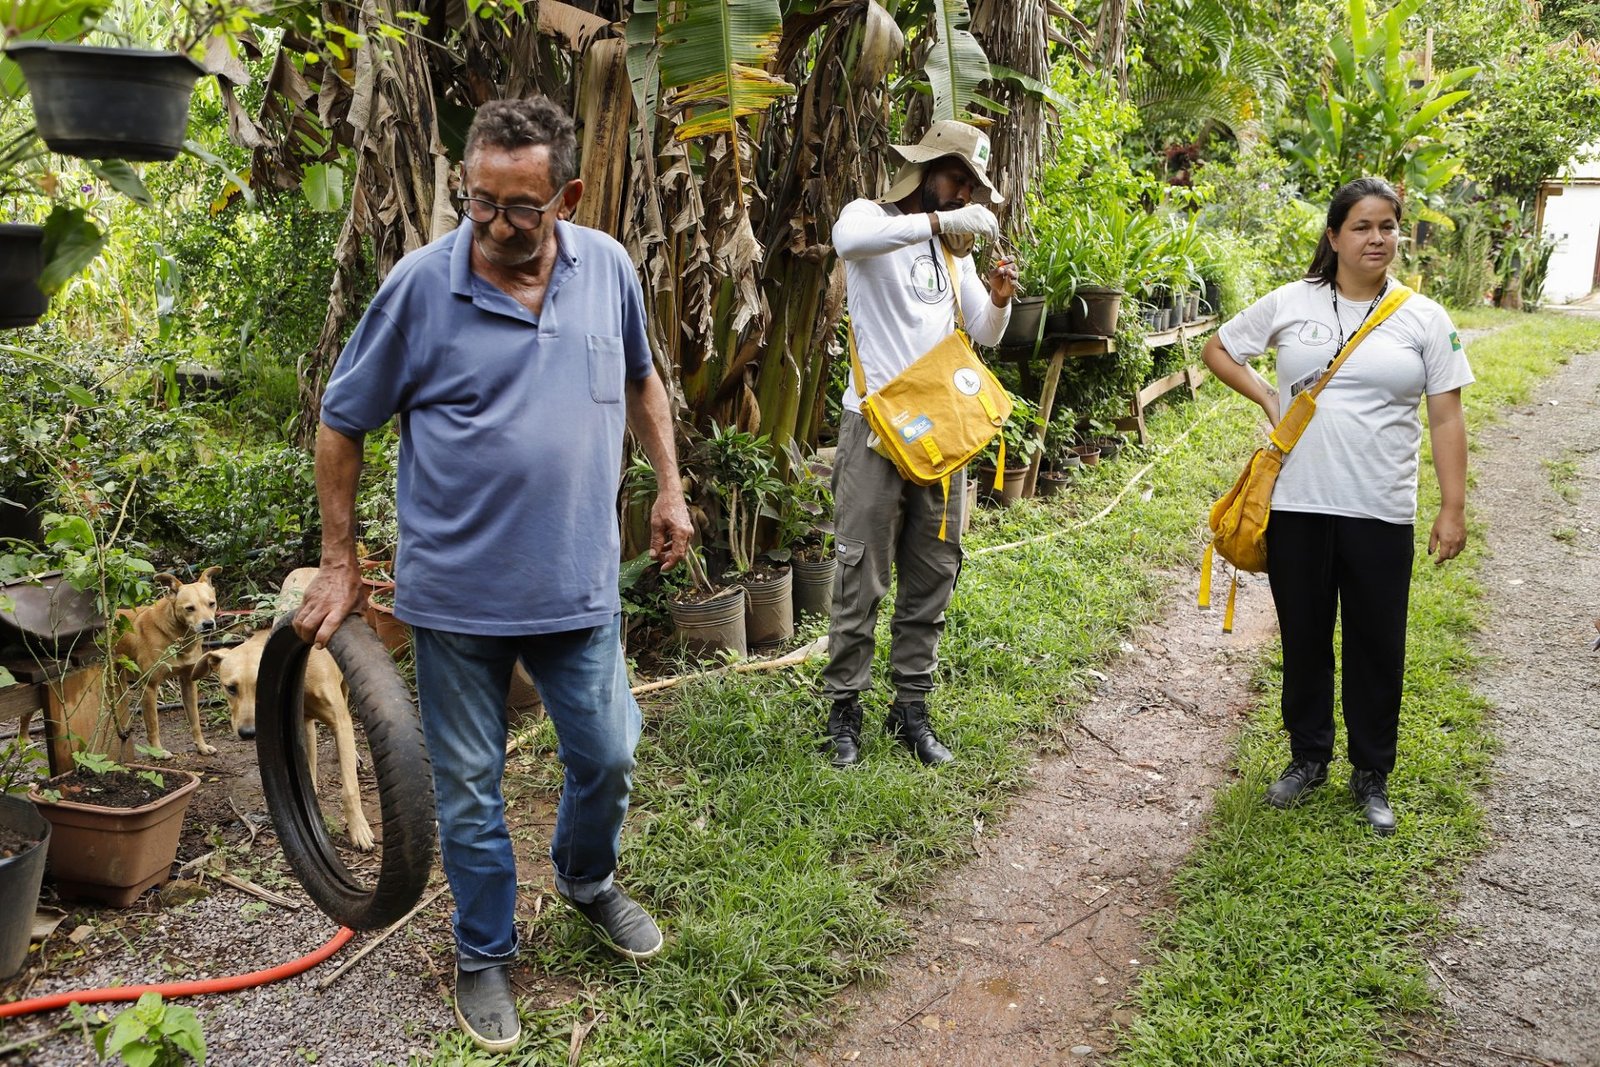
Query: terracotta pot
x,y
1088,454
395,635
813,586
1011,489
769,609
112,855
712,625
20,877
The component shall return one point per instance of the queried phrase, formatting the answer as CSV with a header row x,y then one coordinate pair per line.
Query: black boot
x,y
908,724
844,732
1371,791
1297,779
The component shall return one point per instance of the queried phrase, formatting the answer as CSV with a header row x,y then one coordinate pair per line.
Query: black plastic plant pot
x,y
381,703
22,302
108,103
20,878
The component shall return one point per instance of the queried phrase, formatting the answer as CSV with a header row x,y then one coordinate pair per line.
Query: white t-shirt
x,y
898,291
1359,454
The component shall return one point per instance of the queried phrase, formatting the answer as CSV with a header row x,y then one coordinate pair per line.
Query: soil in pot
x,y
22,302
24,838
110,853
768,605
710,621
108,103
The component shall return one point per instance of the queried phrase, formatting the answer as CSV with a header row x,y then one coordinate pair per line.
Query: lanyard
x,y
1333,295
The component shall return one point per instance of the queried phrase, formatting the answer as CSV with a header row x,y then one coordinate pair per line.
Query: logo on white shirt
x,y
1314,333
928,281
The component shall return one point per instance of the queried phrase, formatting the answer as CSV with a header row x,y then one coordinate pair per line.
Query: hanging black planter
x,y
21,262
108,103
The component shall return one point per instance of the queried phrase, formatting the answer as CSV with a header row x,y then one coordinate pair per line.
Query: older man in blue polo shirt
x,y
514,353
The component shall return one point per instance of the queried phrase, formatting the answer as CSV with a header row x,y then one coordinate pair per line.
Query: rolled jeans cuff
x,y
583,891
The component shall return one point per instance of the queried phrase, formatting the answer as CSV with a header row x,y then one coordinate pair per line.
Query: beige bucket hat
x,y
944,138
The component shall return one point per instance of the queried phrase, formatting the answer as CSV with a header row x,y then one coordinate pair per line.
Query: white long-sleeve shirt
x,y
898,291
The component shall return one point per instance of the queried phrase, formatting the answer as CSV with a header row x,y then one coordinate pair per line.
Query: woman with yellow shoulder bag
x,y
1339,535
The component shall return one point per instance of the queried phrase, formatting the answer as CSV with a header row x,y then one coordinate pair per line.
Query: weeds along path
x,y
1520,974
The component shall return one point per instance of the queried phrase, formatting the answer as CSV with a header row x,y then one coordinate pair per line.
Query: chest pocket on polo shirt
x,y
605,369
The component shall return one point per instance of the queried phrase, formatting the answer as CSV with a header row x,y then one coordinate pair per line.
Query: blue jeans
x,y
462,684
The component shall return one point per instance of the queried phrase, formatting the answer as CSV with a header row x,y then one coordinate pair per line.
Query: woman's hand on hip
x,y
1449,535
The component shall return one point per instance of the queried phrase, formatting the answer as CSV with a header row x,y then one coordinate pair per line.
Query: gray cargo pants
x,y
881,519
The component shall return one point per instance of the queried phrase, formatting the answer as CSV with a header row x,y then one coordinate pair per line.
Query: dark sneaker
x,y
1371,790
1297,779
908,724
623,925
485,1009
843,742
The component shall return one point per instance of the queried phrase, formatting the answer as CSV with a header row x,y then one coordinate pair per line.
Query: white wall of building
x,y
1573,221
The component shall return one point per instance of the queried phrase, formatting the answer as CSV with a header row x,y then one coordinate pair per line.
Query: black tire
x,y
380,701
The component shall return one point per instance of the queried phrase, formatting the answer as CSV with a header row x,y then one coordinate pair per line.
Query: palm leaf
x,y
714,54
956,64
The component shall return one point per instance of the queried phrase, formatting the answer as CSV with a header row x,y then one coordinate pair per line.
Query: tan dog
x,y
163,642
326,701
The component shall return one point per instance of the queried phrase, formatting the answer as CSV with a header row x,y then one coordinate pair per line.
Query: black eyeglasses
x,y
521,216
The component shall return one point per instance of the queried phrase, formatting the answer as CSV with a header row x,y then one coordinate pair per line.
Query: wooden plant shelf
x,y
1191,377
1187,331
1062,347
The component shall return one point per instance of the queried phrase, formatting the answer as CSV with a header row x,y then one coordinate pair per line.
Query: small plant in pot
x,y
1021,437
805,533
742,477
115,829
1105,436
1059,460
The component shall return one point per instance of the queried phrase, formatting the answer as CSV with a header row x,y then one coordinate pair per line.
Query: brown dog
x,y
163,642
326,701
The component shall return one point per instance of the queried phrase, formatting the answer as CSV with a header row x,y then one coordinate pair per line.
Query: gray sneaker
x,y
485,1009
623,925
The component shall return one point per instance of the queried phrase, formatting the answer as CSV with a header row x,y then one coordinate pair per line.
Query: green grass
x,y
1296,935
1563,473
775,875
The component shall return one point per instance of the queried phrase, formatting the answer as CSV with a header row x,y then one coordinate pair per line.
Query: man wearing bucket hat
x,y
901,292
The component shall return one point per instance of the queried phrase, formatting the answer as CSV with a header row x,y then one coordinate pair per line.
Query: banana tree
x,y
1379,115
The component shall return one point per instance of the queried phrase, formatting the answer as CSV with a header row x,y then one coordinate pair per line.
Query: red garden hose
x,y
172,990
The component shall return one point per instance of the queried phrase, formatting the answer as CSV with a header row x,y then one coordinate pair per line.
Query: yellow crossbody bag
x,y
1239,517
938,413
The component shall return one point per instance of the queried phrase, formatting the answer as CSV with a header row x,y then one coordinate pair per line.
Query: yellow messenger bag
x,y
938,413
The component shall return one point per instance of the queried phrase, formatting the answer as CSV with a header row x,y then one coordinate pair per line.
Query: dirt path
x,y
1023,955
1522,975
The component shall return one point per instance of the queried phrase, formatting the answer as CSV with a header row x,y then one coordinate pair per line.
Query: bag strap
x,y
858,373
1391,303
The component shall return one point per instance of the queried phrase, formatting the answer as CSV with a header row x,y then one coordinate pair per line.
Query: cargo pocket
x,y
605,369
850,553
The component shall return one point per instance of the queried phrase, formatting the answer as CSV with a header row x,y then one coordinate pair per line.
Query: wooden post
x,y
1047,400
73,705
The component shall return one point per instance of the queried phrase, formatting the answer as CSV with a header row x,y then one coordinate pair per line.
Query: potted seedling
x,y
1020,434
745,486
114,828
805,533
1059,459
707,617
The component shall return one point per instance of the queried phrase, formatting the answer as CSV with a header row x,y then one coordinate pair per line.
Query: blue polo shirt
x,y
511,431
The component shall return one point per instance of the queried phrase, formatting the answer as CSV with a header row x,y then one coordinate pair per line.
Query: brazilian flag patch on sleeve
x,y
1455,341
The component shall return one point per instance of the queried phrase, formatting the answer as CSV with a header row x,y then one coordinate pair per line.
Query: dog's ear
x,y
208,663
209,573
168,580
